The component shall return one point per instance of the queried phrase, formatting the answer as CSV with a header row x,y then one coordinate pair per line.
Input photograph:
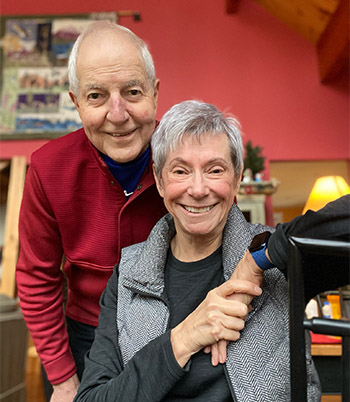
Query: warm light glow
x,y
325,190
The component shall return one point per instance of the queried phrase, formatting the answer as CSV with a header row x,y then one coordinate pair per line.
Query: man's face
x,y
116,102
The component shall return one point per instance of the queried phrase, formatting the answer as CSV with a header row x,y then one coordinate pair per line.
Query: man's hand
x,y
65,391
245,270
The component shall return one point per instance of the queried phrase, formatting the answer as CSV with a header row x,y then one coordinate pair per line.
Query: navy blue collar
x,y
128,174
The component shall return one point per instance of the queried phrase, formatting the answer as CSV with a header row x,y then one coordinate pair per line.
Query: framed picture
x,y
34,77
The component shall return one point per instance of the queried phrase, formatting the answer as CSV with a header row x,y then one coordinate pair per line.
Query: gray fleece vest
x,y
258,363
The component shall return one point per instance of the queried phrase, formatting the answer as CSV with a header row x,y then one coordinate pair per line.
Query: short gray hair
x,y
195,118
145,54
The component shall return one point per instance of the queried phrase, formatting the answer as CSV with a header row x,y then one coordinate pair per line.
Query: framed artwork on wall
x,y
34,77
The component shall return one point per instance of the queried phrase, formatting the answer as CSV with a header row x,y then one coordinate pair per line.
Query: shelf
x,y
329,349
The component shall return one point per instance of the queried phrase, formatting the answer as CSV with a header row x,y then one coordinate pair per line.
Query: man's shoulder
x,y
62,147
161,233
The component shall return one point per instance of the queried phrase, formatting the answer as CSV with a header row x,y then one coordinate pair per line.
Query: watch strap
x,y
260,258
257,250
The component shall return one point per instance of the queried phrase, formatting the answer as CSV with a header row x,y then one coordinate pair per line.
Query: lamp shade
x,y
325,190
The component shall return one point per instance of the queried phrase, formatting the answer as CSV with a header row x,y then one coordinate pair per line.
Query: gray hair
x,y
145,54
195,118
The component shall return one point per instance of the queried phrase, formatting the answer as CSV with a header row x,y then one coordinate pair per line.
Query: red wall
x,y
248,63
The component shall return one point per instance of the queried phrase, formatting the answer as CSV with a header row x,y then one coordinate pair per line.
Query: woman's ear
x,y
238,184
158,182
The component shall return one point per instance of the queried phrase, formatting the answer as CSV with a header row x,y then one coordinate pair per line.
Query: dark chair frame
x,y
298,248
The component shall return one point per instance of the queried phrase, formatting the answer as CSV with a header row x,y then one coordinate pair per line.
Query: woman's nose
x,y
198,187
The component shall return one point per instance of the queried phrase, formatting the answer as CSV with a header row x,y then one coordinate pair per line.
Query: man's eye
x,y
93,95
134,92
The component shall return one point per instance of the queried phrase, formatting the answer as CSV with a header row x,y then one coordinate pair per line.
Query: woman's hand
x,y
218,317
245,270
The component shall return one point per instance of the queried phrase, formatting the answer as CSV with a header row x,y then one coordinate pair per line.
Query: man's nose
x,y
117,109
198,187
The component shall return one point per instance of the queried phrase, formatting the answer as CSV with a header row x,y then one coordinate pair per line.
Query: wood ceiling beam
x,y
333,46
231,6
307,17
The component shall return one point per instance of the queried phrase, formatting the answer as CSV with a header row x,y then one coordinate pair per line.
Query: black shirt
x,y
187,284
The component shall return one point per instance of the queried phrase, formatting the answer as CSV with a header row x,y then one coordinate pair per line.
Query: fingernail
x,y
257,290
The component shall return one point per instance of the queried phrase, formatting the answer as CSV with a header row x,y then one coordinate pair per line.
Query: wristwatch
x,y
257,250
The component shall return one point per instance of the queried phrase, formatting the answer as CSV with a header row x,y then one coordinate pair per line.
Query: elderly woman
x,y
171,296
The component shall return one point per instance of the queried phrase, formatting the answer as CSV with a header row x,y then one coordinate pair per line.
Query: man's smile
x,y
122,134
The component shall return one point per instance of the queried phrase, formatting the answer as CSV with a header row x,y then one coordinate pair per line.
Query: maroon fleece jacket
x,y
73,206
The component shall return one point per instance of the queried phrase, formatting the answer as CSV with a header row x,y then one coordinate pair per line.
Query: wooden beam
x,y
333,46
18,171
231,6
308,18
4,165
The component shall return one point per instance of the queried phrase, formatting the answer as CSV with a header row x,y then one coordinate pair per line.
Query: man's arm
x,y
329,223
321,273
66,391
40,280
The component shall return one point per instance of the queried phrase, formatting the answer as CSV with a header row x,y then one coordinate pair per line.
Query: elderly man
x,y
88,195
173,295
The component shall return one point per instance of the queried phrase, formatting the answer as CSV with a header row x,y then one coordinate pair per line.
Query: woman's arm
x,y
149,376
157,367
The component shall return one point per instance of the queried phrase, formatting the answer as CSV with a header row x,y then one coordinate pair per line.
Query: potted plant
x,y
254,160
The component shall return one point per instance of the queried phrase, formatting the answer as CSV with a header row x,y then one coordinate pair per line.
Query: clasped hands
x,y
220,317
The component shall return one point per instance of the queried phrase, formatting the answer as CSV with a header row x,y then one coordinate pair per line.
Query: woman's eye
x,y
216,171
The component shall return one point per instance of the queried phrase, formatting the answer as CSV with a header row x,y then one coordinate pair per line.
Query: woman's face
x,y
198,185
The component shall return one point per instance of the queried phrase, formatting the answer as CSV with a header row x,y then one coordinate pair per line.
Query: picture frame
x,y
34,86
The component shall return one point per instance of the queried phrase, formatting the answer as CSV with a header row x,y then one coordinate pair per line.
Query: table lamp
x,y
325,190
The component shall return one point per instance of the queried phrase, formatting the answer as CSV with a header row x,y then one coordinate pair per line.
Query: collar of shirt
x,y
128,174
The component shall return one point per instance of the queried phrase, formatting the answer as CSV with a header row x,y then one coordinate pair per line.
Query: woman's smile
x,y
198,210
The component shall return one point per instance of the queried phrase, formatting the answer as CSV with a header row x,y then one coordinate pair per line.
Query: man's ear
x,y
74,99
158,182
156,90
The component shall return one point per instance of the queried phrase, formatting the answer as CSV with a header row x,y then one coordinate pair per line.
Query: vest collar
x,y
145,272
